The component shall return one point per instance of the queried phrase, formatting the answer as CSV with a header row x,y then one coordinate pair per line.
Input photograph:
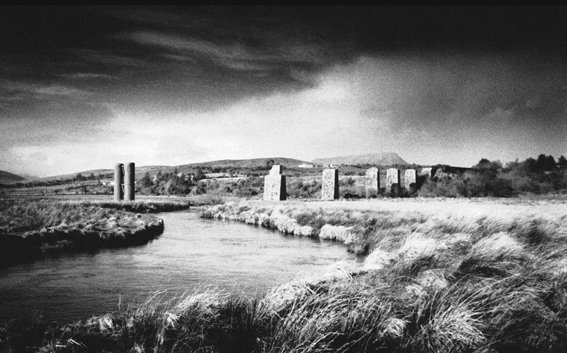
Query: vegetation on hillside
x,y
491,178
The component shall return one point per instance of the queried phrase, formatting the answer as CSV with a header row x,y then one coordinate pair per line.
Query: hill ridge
x,y
7,177
381,158
237,163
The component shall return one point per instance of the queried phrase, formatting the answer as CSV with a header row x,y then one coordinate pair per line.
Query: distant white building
x,y
305,165
217,175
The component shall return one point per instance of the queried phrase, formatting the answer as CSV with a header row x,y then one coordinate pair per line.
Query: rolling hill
x,y
246,163
108,172
6,177
384,158
188,168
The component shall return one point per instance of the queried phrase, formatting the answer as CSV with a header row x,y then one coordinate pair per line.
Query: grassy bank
x,y
369,224
141,206
477,277
31,229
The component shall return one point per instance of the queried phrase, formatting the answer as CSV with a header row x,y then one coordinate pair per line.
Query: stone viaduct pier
x,y
392,182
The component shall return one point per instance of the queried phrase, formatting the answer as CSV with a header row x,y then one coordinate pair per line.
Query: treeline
x,y
167,183
541,175
175,183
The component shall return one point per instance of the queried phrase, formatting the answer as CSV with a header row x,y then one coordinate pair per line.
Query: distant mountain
x,y
384,158
6,177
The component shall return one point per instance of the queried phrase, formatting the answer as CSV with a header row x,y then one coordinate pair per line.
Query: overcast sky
x,y
84,88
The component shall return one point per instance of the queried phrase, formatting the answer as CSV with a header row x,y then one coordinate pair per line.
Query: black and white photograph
x,y
283,179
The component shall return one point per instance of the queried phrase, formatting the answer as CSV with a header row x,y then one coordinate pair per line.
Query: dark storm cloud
x,y
264,48
65,71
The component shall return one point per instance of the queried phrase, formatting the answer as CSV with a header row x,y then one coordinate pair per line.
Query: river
x,y
192,254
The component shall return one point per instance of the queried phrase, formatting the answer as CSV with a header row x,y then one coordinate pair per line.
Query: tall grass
x,y
31,229
444,282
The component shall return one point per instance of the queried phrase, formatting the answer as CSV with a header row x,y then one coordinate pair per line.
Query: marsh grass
x,y
23,215
357,313
433,282
30,229
141,205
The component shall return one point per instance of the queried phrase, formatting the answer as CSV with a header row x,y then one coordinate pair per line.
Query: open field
x,y
441,276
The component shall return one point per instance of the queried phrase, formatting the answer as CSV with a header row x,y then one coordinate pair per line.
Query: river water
x,y
192,254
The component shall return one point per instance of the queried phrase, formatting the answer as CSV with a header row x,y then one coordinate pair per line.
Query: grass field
x,y
481,275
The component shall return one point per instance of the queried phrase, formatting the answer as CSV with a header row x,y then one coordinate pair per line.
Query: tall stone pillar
x,y
410,179
393,181
372,182
330,184
130,182
118,180
275,185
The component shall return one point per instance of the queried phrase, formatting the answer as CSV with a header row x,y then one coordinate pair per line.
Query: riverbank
x,y
462,276
368,224
32,229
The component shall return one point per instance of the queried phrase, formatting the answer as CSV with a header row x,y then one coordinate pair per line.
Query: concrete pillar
x,y
275,185
393,181
330,184
372,182
410,179
276,169
429,172
118,179
130,182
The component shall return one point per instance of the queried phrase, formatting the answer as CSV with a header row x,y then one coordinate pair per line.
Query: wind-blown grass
x,y
433,282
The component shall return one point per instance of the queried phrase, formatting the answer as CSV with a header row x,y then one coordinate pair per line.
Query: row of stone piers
x,y
275,183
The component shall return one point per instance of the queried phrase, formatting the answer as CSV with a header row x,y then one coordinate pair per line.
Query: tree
x,y
179,186
562,162
545,163
200,175
146,180
270,163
